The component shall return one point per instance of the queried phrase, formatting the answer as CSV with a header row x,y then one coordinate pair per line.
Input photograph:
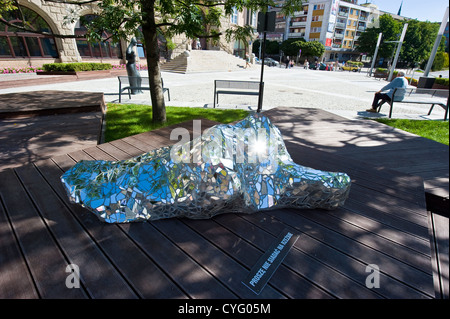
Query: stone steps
x,y
204,61
177,65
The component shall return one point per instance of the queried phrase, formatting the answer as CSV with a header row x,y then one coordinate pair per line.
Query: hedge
x,y
75,67
441,81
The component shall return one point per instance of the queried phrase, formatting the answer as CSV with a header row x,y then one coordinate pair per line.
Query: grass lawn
x,y
123,120
433,130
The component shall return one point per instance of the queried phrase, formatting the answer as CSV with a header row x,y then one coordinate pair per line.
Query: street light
x,y
436,43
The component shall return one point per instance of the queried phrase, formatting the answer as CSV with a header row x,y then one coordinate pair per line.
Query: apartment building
x,y
337,24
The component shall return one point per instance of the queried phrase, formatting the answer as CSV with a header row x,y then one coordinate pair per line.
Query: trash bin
x,y
426,82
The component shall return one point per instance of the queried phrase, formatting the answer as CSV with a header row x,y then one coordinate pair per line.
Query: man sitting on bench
x,y
398,82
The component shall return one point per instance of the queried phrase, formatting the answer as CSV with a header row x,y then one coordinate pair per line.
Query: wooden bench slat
x,y
79,247
227,270
16,281
140,271
36,241
143,84
238,88
302,262
349,245
248,253
421,96
316,245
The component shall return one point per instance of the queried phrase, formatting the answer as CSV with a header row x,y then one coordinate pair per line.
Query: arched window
x,y
17,43
104,49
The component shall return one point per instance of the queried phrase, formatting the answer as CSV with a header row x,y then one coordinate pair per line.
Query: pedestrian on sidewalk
x,y
247,61
380,98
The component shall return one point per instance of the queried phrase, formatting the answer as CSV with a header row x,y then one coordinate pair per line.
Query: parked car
x,y
349,66
271,62
313,66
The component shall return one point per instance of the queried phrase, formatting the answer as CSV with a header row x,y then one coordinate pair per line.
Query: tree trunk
x,y
154,74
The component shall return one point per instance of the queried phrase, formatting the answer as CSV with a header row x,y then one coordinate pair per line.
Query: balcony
x,y
340,25
338,35
336,46
296,34
361,18
298,24
300,13
343,14
361,28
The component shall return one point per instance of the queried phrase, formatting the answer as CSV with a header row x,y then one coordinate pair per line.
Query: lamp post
x,y
375,54
399,46
266,22
436,44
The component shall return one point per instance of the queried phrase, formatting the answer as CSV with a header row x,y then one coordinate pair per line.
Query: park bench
x,y
234,87
422,96
136,83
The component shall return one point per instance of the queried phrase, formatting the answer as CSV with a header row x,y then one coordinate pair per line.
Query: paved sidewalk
x,y
347,94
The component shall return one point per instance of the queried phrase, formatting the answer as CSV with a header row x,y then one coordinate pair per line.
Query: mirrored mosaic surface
x,y
242,168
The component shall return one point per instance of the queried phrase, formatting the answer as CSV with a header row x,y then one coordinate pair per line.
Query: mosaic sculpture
x,y
229,168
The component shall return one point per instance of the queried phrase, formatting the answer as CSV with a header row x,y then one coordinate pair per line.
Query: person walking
x,y
247,61
380,98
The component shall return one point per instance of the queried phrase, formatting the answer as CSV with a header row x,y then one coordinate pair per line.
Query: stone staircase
x,y
203,61
177,65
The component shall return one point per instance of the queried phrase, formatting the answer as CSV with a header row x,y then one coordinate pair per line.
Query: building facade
x,y
337,24
20,49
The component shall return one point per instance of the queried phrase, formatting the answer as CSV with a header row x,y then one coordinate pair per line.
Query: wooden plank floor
x,y
380,146
376,144
384,222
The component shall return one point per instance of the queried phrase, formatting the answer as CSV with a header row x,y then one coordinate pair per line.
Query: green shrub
x,y
440,61
412,81
442,81
76,67
381,70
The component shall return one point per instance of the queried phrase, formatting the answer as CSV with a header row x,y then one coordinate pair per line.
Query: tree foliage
x,y
391,30
417,44
312,49
291,47
194,18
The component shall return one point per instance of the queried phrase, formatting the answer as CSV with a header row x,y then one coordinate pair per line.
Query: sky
x,y
423,10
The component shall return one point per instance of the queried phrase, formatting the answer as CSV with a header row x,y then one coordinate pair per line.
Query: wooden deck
x,y
384,222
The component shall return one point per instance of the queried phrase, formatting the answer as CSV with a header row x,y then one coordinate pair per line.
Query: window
x,y
319,6
234,16
104,49
17,43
